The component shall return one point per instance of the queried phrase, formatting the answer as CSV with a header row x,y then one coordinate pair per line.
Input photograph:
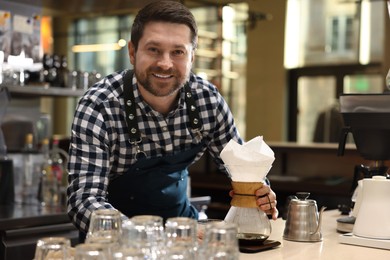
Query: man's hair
x,y
163,11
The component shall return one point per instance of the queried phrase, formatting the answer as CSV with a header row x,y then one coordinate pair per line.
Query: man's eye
x,y
153,50
178,52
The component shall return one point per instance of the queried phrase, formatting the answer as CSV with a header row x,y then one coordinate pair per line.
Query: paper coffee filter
x,y
248,162
244,173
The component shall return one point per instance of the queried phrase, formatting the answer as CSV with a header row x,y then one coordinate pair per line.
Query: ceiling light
x,y
99,47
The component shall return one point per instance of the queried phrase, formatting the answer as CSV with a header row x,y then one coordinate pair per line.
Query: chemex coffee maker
x,y
367,117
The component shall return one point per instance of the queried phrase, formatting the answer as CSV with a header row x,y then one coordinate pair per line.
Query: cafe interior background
x,y
281,65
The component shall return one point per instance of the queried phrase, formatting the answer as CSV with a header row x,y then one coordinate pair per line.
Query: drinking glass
x,y
92,251
145,233
178,252
52,248
220,242
105,226
202,225
182,231
129,253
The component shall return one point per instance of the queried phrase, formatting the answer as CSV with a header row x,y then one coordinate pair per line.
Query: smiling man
x,y
136,132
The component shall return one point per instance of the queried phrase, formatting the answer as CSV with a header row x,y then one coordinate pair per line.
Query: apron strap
x,y
130,109
193,113
131,114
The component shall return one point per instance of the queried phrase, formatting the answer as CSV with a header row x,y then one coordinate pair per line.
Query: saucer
x,y
250,248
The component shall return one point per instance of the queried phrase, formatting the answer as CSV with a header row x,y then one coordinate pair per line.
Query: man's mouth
x,y
162,76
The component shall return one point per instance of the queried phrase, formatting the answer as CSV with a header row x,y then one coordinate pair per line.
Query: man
x,y
135,132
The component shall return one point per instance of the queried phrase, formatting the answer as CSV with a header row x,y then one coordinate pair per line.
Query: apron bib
x,y
155,186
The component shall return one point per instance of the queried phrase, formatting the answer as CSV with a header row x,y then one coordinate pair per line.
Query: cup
x,y
202,226
145,233
54,248
182,232
128,254
105,227
92,251
220,242
176,252
73,79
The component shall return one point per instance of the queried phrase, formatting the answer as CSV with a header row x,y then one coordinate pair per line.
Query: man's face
x,y
163,60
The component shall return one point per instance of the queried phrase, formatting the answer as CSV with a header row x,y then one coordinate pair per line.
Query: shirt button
x,y
131,197
165,128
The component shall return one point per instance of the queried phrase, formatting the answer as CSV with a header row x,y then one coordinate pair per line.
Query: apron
x,y
155,186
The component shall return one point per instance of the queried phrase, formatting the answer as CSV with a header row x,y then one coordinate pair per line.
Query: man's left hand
x,y
266,199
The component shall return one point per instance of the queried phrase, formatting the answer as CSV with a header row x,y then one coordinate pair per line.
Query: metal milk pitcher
x,y
303,221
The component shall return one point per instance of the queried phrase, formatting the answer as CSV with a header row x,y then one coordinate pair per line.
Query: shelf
x,y
42,91
208,54
217,73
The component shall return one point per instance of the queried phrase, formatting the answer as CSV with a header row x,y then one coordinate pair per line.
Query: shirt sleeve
x,y
225,130
89,164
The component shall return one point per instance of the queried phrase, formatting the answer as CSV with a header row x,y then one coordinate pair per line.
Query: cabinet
x,y
22,225
39,91
47,110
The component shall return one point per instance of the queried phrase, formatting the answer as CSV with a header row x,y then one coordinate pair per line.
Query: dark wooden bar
x,y
22,225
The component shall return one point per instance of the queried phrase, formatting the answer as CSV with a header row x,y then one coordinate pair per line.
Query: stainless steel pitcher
x,y
303,221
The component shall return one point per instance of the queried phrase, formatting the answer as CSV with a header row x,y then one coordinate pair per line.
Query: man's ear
x,y
131,50
193,56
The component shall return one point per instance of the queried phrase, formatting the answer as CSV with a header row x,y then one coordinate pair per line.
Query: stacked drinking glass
x,y
147,237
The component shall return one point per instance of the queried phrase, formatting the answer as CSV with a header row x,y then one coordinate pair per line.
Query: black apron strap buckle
x,y
193,112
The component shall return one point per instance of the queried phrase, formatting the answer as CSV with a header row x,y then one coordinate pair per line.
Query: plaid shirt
x,y
100,149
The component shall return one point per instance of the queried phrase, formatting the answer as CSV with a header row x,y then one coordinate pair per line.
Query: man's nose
x,y
165,61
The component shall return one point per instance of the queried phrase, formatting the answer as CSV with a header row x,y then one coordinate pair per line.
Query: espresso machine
x,y
367,117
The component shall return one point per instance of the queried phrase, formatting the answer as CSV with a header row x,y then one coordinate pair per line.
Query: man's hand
x,y
266,200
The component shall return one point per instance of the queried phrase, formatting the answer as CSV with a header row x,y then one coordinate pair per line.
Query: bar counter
x,y
328,248
22,225
20,216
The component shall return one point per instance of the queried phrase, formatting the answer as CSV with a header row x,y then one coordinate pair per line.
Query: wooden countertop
x,y
329,248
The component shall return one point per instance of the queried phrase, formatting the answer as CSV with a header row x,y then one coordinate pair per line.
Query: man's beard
x,y
145,79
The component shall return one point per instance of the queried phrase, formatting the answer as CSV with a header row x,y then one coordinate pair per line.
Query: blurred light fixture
x,y
365,33
99,47
292,43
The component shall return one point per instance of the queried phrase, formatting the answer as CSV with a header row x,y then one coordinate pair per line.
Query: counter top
x,y
310,146
22,225
21,216
329,248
